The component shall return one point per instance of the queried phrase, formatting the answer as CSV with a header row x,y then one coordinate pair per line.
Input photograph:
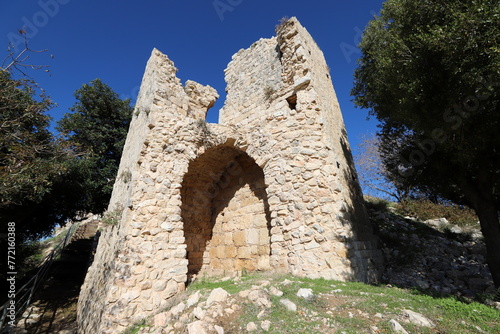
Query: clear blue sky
x,y
112,40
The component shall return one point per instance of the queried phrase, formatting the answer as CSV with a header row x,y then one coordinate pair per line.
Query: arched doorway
x,y
225,213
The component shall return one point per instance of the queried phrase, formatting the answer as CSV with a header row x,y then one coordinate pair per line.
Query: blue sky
x,y
112,40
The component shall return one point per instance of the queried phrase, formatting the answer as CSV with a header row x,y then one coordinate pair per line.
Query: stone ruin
x,y
272,187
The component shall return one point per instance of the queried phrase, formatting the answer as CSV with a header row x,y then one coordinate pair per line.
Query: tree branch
x,y
17,61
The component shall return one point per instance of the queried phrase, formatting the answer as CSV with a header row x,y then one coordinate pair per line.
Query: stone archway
x,y
225,213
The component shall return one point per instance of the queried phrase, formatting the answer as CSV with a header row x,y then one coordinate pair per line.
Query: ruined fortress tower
x,y
272,187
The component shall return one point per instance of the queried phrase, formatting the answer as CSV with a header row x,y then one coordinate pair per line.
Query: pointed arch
x,y
225,213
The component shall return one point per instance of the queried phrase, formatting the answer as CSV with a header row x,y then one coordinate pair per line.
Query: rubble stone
x,y
418,319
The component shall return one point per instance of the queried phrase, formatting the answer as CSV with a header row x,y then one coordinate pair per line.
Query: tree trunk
x,y
481,195
490,227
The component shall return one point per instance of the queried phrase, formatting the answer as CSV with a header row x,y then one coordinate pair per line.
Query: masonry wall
x,y
318,219
272,187
249,91
225,213
141,262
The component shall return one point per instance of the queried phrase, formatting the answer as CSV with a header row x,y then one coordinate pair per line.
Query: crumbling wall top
x,y
252,77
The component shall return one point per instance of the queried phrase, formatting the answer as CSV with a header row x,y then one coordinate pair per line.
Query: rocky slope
x,y
435,257
284,305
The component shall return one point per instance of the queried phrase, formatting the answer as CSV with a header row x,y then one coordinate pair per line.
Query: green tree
x,y
30,157
32,161
96,132
26,145
429,72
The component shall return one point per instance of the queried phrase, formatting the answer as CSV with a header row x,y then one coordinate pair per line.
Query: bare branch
x,y
372,173
18,61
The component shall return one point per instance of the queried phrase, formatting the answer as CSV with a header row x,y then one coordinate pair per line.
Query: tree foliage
x,y
96,131
26,146
31,160
46,180
429,72
30,156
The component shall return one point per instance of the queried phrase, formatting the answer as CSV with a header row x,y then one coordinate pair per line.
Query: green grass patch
x,y
134,329
477,314
231,285
345,307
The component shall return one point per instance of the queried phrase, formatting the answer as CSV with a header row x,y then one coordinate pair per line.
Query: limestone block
x,y
193,299
290,306
217,295
253,237
418,319
396,327
171,289
231,251
263,263
159,285
162,319
180,268
305,293
311,245
177,240
260,298
327,208
244,253
221,252
179,253
239,238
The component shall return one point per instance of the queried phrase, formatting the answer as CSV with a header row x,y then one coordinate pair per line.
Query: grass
x,y
136,328
281,23
340,307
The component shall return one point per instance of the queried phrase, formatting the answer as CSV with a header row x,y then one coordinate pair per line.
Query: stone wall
x,y
230,232
272,187
253,77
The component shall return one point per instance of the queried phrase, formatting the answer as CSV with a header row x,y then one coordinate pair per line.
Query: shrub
x,y
136,327
268,92
111,218
376,204
425,209
126,176
281,23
